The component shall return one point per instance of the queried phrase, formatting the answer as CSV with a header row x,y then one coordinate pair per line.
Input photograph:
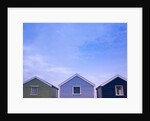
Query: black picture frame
x,y
4,4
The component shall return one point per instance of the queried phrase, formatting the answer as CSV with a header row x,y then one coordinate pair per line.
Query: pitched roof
x,y
111,79
35,77
76,75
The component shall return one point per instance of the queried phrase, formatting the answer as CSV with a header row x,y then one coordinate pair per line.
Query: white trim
x,y
111,79
35,77
31,91
73,90
121,89
77,76
34,85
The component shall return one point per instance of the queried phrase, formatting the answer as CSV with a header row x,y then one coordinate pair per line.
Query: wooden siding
x,y
44,91
87,90
108,90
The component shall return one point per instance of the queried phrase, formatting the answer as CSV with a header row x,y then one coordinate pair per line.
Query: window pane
x,y
34,90
119,90
77,90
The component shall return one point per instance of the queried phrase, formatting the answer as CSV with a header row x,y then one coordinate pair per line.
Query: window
x,y
34,90
119,90
76,90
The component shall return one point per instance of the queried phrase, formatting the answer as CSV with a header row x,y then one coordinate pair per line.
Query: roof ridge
x,y
35,77
112,78
75,76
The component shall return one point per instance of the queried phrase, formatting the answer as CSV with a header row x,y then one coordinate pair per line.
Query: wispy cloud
x,y
60,70
39,65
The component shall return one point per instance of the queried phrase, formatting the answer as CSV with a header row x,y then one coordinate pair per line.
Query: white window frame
x,y
73,90
32,86
121,90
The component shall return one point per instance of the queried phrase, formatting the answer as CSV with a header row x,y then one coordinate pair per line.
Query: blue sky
x,y
56,51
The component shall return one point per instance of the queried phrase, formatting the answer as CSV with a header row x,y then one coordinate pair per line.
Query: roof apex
x,y
35,77
109,80
75,76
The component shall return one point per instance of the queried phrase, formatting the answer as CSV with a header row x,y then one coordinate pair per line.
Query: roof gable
x,y
111,79
76,75
45,82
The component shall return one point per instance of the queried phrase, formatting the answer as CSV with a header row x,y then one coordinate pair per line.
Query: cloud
x,y
34,65
33,61
60,70
42,66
